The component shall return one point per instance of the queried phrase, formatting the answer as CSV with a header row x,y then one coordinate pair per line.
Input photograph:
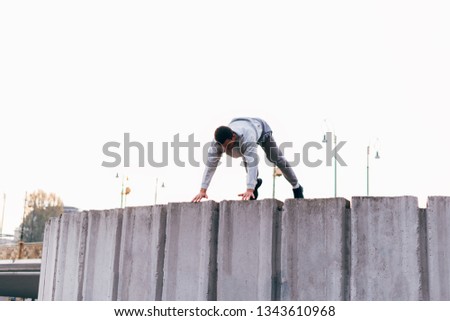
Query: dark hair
x,y
222,134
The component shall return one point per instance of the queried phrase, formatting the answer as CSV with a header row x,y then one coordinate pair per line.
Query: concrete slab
x,y
252,251
387,250
101,266
438,232
249,249
190,262
142,253
71,250
49,260
315,250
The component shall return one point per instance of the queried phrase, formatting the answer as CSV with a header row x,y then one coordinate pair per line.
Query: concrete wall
x,y
190,268
438,250
387,253
101,265
70,257
49,259
248,252
142,253
315,249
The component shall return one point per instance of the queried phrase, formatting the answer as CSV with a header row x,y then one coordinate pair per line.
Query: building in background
x,y
70,210
6,239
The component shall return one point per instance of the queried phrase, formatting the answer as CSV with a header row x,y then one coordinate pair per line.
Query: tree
x,y
41,207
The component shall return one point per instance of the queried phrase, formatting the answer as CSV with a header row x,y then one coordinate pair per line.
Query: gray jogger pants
x,y
275,156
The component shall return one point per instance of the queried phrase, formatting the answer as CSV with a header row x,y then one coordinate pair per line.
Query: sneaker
x,y
255,191
298,192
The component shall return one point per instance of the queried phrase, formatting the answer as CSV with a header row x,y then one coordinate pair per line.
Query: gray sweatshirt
x,y
251,132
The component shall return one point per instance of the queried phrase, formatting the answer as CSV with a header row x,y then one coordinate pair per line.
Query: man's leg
x,y
275,155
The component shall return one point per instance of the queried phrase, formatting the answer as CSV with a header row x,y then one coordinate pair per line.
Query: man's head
x,y
225,137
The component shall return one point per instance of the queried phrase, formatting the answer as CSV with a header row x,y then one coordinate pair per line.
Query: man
x,y
240,139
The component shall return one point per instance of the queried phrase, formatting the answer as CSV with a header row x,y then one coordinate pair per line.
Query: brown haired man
x,y
240,139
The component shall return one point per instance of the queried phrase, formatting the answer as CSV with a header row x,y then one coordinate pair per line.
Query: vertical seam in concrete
x,y
161,246
88,256
363,230
260,294
276,252
423,255
117,255
325,225
202,286
441,282
44,262
213,248
346,253
227,239
172,248
82,253
295,240
62,246
126,242
444,277
58,220
130,221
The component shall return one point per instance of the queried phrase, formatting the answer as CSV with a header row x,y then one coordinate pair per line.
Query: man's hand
x,y
246,196
200,195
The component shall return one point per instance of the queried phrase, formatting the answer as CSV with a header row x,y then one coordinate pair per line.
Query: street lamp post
x,y
125,190
121,195
335,167
377,156
121,191
156,189
276,173
367,173
334,141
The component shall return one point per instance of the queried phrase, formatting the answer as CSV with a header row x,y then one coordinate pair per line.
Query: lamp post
x,y
121,191
125,190
156,189
276,173
377,156
335,167
333,140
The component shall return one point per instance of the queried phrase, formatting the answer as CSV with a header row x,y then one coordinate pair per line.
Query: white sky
x,y
75,75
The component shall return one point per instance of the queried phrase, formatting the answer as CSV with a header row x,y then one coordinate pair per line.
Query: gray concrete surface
x,y
386,250
242,250
249,247
70,257
190,262
315,249
48,261
438,234
101,267
142,253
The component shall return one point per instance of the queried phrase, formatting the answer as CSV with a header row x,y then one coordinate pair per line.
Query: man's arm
x,y
214,155
251,158
202,194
